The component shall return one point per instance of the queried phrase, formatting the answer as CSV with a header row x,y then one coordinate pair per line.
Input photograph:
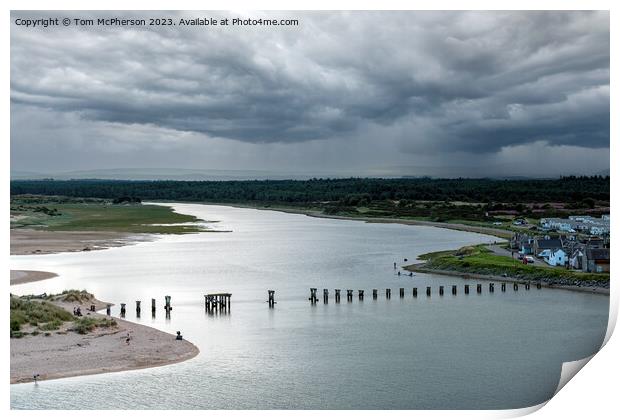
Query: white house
x,y
599,230
556,257
578,223
563,225
576,259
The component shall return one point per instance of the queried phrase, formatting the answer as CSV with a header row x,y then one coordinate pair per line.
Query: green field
x,y
62,214
479,260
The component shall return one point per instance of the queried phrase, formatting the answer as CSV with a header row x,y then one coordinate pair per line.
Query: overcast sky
x,y
351,93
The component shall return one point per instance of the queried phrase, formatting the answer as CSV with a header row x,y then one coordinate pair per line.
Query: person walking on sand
x,y
128,338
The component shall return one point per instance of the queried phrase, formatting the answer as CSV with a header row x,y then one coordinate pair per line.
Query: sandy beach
x,y
29,241
28,276
68,353
65,353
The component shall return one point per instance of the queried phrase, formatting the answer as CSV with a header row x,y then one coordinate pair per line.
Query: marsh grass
x,y
100,215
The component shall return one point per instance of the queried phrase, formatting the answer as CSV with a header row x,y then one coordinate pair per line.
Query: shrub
x,y
52,325
86,324
76,296
15,325
107,323
466,250
34,312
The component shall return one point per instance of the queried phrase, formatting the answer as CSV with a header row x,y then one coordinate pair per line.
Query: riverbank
x,y
66,353
504,234
28,276
420,268
500,233
481,263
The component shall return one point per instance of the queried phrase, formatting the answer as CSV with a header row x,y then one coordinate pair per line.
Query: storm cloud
x,y
347,90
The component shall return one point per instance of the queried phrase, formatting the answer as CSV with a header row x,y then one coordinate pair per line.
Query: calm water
x,y
501,350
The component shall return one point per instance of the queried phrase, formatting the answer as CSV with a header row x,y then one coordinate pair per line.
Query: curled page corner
x,y
613,316
570,369
519,412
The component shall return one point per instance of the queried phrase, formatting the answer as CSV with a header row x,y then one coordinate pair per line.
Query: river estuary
x,y
476,351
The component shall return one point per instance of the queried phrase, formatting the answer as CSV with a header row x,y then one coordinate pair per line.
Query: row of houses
x,y
574,224
591,255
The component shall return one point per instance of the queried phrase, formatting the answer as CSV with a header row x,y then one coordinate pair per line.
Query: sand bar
x,y
28,276
100,351
30,241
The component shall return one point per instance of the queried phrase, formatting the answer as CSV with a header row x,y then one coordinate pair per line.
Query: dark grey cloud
x,y
411,83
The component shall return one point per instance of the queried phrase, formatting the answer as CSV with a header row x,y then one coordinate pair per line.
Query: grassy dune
x,y
42,315
34,315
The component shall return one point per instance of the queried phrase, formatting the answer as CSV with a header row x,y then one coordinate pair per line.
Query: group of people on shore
x,y
77,311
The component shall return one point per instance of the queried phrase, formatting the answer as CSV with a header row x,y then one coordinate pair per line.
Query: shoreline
x,y
420,268
103,350
501,234
41,242
29,276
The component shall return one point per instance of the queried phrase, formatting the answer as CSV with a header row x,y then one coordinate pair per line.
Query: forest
x,y
578,191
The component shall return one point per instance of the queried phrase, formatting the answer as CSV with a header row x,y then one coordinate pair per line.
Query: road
x,y
499,250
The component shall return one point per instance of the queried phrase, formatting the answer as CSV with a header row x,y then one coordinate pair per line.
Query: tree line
x,y
348,191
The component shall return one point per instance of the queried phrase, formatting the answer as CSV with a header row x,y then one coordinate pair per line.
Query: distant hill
x,y
180,174
173,174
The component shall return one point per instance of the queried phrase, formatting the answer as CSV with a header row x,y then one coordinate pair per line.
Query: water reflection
x,y
470,351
